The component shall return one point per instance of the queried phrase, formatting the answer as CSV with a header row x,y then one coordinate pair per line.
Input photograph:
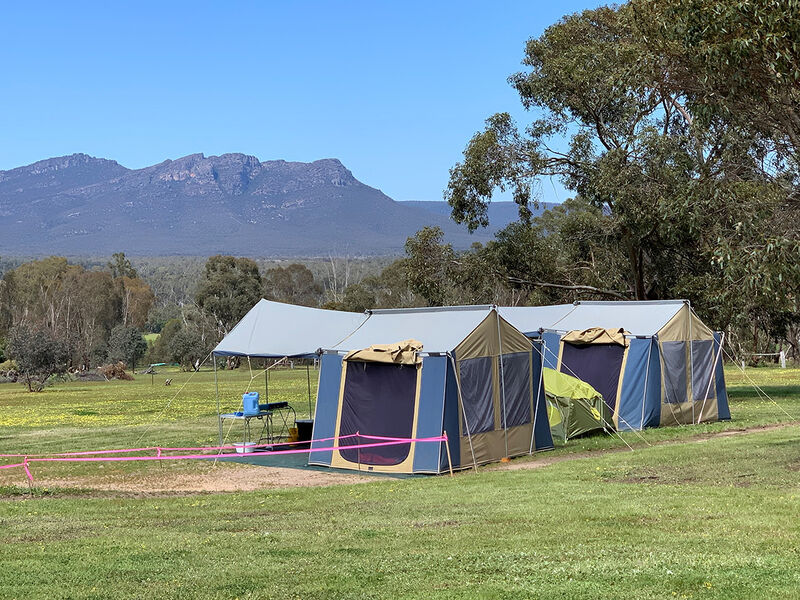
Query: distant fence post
x,y
783,359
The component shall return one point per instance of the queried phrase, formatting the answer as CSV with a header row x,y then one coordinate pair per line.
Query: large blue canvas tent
x,y
462,371
655,362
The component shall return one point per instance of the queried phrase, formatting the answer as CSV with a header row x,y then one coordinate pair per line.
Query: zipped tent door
x,y
599,365
377,399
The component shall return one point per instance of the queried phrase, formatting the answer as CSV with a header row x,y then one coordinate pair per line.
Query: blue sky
x,y
394,90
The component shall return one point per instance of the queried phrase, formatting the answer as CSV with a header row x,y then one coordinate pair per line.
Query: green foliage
x,y
159,316
186,340
81,306
121,266
739,61
293,284
127,345
229,288
429,266
38,355
671,200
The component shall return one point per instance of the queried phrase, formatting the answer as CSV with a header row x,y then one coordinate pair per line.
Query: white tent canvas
x,y
274,330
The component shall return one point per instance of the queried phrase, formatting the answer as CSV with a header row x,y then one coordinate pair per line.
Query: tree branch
x,y
579,288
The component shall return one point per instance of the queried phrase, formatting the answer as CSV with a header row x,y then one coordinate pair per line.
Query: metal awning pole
x,y
216,393
308,381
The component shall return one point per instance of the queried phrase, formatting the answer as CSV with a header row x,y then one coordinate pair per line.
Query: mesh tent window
x,y
599,365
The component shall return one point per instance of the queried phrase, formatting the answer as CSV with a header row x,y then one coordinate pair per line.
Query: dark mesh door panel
x,y
378,400
475,375
598,365
703,370
516,370
673,354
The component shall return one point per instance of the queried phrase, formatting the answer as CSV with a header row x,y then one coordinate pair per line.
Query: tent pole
x,y
691,360
713,373
502,383
308,381
216,393
646,376
447,447
463,412
536,399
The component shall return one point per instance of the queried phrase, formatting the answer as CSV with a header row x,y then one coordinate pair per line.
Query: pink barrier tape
x,y
27,470
207,456
12,466
88,452
177,449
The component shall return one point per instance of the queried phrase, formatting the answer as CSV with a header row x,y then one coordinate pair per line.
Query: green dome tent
x,y
573,406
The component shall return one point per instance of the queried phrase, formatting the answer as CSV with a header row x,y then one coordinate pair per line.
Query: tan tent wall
x,y
686,327
491,445
487,338
491,338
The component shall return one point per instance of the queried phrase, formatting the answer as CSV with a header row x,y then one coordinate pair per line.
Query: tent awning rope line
x,y
247,389
602,418
167,405
758,389
712,377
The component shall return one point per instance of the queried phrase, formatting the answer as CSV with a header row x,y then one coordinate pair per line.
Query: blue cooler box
x,y
250,403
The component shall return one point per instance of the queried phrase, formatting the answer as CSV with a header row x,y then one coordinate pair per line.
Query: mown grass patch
x,y
572,530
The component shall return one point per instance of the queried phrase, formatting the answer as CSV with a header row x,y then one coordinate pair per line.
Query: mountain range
x,y
198,205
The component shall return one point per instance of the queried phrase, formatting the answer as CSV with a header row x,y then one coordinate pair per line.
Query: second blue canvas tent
x,y
464,371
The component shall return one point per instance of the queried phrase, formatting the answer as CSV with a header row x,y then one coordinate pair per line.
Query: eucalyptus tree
x,y
680,205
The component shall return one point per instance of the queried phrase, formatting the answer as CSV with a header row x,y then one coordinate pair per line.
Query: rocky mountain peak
x,y
61,163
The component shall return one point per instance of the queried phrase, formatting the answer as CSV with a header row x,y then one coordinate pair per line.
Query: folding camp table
x,y
275,419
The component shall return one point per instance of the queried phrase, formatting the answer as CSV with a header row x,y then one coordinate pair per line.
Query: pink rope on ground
x,y
12,466
175,449
82,456
207,456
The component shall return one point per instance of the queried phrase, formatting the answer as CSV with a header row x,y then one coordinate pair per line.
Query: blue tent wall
x,y
551,342
652,409
543,439
451,425
640,407
632,395
430,414
330,379
723,410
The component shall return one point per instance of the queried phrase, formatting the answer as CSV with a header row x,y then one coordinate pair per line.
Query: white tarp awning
x,y
274,330
440,329
644,318
530,319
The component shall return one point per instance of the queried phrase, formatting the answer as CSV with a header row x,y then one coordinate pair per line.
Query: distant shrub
x,y
115,371
38,354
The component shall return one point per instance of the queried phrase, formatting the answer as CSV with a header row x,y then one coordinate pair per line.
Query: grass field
x,y
706,511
